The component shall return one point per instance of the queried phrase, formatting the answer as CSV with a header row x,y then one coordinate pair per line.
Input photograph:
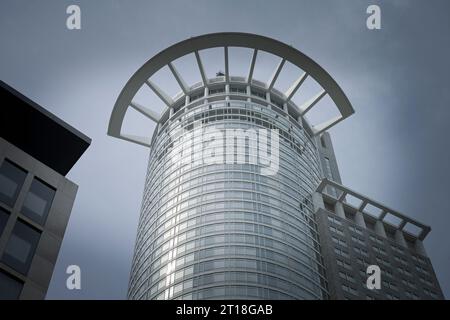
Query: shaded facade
x,y
36,152
353,238
356,232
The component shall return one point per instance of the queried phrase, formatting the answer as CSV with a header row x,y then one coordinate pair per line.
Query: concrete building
x,y
37,150
229,213
356,231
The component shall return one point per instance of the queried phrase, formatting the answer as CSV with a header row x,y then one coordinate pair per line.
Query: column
x,y
339,209
227,92
420,249
400,239
379,229
359,219
206,94
318,201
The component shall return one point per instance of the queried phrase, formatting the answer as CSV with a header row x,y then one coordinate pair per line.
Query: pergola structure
x,y
384,215
227,40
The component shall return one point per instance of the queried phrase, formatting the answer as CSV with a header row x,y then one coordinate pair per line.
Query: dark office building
x,y
37,150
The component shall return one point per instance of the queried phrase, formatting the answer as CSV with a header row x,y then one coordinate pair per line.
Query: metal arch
x,y
227,39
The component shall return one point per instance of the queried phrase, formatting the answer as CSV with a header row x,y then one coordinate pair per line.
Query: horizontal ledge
x,y
384,210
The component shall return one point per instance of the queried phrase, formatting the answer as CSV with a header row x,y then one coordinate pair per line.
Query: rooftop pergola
x,y
256,43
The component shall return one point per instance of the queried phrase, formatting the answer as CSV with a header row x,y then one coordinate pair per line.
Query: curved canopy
x,y
225,40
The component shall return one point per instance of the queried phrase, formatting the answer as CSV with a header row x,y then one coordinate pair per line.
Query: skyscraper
x,y
236,178
37,150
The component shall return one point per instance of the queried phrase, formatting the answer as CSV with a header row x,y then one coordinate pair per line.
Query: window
x,y
379,250
363,261
357,230
343,264
404,271
21,246
10,287
334,220
430,293
383,262
388,273
422,260
397,249
392,297
419,259
341,252
336,230
349,289
358,240
408,283
4,215
346,276
389,284
411,295
361,251
420,269
426,281
376,239
11,181
400,260
339,241
38,201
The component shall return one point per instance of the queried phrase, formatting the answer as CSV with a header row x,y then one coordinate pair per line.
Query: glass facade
x,y
10,287
11,181
20,236
215,230
38,201
4,215
20,248
21,244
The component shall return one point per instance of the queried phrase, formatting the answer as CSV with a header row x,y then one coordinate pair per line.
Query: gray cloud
x,y
393,149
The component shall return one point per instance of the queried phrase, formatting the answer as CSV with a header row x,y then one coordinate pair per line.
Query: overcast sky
x,y
393,149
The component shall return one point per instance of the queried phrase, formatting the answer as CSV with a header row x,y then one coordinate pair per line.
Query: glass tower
x,y
227,211
225,230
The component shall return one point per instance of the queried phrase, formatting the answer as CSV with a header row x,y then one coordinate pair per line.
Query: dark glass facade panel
x,y
21,247
4,215
38,201
11,181
10,287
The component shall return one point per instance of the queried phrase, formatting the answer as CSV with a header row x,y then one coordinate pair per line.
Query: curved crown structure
x,y
226,40
215,223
